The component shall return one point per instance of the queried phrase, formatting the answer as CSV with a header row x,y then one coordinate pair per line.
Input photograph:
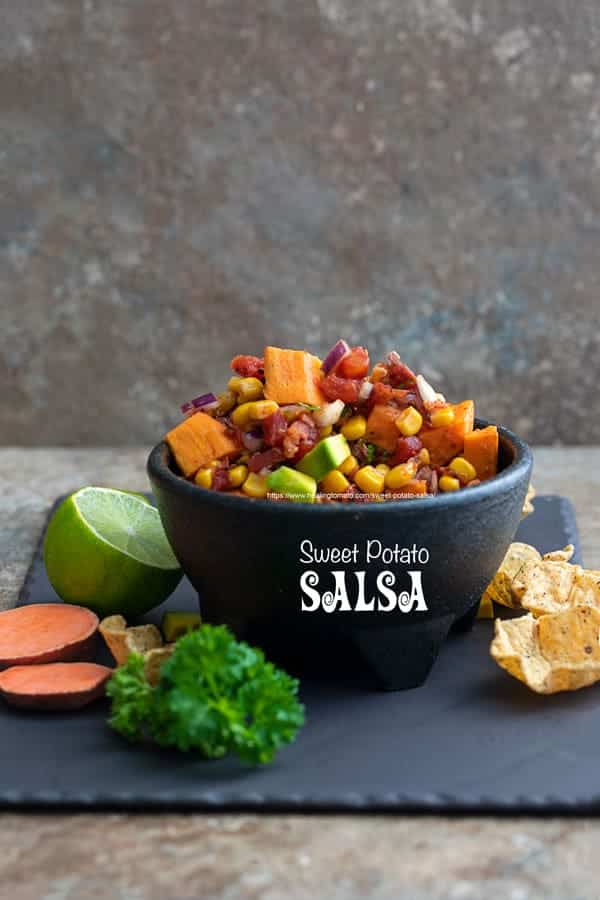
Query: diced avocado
x,y
175,624
292,484
325,456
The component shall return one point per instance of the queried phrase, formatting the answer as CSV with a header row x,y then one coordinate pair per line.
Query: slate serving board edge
x,y
236,801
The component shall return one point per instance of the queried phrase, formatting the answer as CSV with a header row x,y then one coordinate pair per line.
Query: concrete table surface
x,y
180,857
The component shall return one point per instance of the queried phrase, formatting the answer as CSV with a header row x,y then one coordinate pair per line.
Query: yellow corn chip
x,y
486,608
544,587
500,588
122,641
153,660
563,555
528,506
559,652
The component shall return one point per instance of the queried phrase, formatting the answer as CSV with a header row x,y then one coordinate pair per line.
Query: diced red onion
x,y
337,353
252,440
328,414
365,390
428,394
198,403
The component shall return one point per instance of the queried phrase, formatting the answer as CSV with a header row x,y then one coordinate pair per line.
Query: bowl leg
x,y
466,622
401,658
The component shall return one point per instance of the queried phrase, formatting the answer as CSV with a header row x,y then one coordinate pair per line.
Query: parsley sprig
x,y
215,695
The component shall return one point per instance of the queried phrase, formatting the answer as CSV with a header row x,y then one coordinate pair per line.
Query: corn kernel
x,y
383,468
349,466
448,483
255,486
409,422
204,478
253,411
442,416
354,428
424,457
249,389
325,431
227,401
464,469
401,475
369,480
237,476
241,415
260,409
233,383
213,464
335,483
379,372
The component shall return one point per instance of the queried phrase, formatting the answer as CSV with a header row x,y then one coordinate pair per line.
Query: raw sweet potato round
x,y
54,686
46,632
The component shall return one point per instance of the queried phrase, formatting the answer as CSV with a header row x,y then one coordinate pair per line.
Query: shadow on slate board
x,y
470,740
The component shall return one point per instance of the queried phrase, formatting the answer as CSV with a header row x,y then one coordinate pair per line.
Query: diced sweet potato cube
x,y
292,376
381,428
447,442
481,449
198,440
417,487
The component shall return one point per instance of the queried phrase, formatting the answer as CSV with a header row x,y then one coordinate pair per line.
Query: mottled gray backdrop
x,y
181,180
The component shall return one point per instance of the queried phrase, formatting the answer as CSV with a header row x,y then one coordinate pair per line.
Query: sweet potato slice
x,y
292,376
381,429
56,686
481,449
446,443
45,633
198,440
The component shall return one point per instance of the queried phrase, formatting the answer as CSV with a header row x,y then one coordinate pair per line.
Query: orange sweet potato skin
x,y
198,440
54,686
446,443
481,449
381,428
46,633
292,376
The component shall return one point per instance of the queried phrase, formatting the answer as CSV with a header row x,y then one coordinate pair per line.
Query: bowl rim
x,y
157,467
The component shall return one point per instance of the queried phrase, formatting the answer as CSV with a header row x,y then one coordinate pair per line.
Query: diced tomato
x,y
274,428
346,389
355,364
265,460
398,372
249,366
406,448
301,436
385,393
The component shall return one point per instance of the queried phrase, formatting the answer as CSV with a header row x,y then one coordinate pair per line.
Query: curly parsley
x,y
215,695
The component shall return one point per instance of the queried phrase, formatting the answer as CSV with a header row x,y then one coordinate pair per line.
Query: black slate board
x,y
472,739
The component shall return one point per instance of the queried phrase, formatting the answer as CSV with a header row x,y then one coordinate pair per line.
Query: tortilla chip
x,y
528,506
544,587
486,608
559,652
500,588
122,641
154,660
563,555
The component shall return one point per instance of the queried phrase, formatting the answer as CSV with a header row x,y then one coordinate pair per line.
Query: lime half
x,y
107,550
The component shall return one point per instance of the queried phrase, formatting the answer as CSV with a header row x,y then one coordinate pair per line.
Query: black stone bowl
x,y
245,559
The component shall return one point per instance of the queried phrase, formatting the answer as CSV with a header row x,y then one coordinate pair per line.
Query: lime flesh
x,y
107,550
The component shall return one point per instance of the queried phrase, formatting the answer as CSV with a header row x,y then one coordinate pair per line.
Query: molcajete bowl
x,y
332,585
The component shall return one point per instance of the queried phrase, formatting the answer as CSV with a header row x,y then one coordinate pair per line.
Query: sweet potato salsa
x,y
293,427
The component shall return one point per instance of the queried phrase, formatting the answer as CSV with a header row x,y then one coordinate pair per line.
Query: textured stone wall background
x,y
181,180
